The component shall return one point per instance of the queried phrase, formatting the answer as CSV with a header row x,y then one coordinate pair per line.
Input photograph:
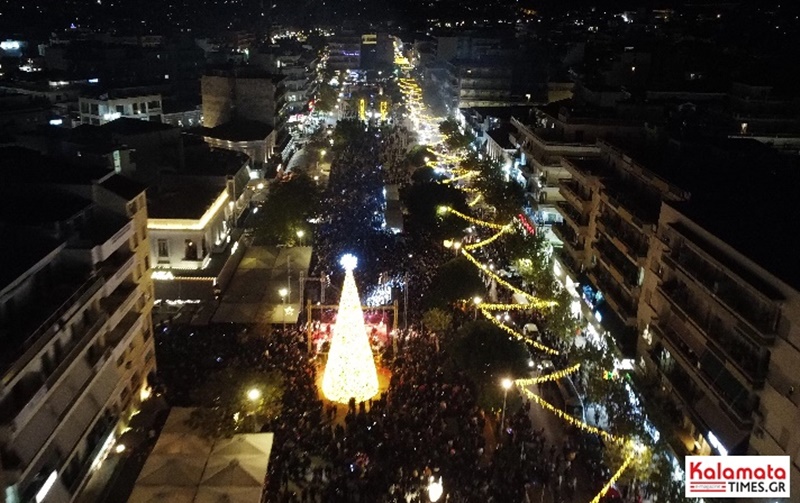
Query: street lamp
x,y
253,394
300,234
506,383
435,489
283,292
477,301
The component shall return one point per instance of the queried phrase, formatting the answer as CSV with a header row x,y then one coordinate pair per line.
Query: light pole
x,y
283,292
300,234
506,383
477,301
254,395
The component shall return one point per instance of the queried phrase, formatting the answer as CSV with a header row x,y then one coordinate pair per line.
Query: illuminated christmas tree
x,y
350,371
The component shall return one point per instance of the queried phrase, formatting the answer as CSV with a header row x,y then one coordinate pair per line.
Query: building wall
x,y
684,315
174,235
100,111
76,387
227,97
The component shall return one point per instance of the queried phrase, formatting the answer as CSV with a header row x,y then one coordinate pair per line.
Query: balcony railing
x,y
614,295
731,347
734,403
570,263
737,299
625,268
634,242
40,337
573,195
575,218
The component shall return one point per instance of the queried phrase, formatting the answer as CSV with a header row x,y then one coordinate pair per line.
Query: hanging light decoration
x,y
350,371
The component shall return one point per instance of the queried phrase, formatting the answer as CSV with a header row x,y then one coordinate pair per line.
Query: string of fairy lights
x,y
413,93
475,221
538,345
534,303
554,376
490,239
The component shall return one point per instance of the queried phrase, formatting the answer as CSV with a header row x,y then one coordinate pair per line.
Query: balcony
x,y
623,270
745,359
572,265
116,269
65,298
757,314
119,303
576,194
735,400
578,221
631,242
632,204
615,297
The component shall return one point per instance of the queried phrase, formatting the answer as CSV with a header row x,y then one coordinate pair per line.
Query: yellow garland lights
x,y
506,307
538,345
549,377
475,201
472,220
468,174
614,478
490,239
571,419
535,302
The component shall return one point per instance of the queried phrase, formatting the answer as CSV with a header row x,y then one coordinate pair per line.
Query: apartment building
x,y
75,322
111,105
720,314
609,212
247,93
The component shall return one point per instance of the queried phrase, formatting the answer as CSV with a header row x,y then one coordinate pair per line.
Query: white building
x,y
75,327
120,103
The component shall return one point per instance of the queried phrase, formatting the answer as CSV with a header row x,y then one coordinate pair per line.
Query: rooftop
x,y
20,165
126,126
755,211
120,93
123,187
182,201
239,130
29,248
500,136
203,160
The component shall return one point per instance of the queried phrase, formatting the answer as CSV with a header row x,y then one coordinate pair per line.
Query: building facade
x,y
723,336
77,336
243,93
113,105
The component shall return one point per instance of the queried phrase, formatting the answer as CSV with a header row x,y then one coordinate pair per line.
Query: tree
x,y
456,280
224,403
437,320
288,207
325,98
488,355
506,196
454,138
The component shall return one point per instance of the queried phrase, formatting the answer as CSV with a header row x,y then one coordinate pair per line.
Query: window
x,y
191,250
95,109
84,107
120,109
153,104
163,248
136,108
